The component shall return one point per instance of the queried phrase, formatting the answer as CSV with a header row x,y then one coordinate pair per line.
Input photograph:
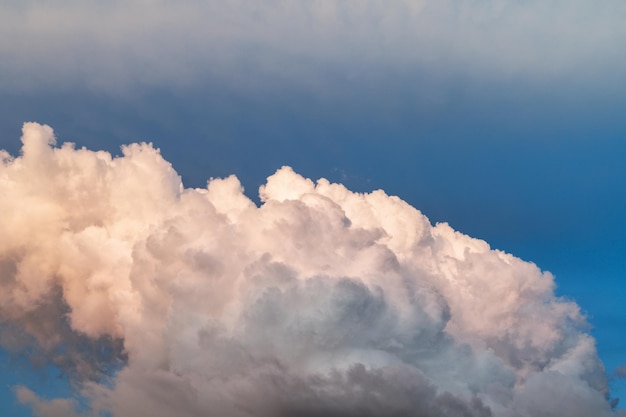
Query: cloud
x,y
320,301
43,408
113,45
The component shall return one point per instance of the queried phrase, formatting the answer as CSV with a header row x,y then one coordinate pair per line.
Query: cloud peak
x,y
320,301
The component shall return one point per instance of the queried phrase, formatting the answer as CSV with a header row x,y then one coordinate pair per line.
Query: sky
x,y
497,120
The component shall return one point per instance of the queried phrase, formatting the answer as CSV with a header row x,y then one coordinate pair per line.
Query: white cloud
x,y
319,302
118,44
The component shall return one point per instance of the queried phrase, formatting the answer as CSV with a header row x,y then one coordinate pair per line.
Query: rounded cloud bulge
x,y
161,300
109,46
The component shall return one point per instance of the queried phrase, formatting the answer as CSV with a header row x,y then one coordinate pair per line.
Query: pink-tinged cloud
x,y
318,302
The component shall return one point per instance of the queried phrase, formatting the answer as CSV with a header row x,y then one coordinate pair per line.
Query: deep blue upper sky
x,y
522,146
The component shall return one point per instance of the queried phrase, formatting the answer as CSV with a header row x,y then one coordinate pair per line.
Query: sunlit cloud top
x,y
319,301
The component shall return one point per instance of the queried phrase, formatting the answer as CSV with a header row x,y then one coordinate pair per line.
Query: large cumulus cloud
x,y
162,300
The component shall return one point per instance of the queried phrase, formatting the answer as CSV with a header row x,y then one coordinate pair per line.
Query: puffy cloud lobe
x,y
320,301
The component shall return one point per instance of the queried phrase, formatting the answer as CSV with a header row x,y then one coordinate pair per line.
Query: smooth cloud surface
x,y
320,302
116,44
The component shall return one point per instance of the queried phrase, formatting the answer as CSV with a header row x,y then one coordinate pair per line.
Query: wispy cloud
x,y
42,408
620,372
116,44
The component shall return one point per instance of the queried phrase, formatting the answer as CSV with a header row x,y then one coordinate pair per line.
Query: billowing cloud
x,y
119,43
162,300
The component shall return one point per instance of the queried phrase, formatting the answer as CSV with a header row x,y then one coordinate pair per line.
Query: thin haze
x,y
118,44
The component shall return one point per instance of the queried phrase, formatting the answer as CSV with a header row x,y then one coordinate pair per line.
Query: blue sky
x,y
502,118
